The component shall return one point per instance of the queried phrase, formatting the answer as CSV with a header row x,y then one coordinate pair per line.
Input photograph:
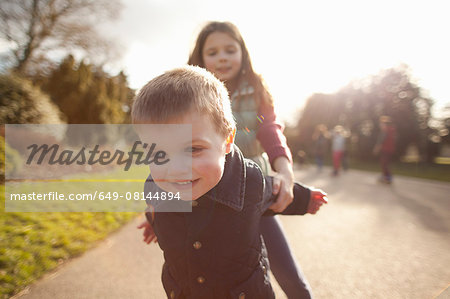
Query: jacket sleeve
x,y
270,134
298,206
149,211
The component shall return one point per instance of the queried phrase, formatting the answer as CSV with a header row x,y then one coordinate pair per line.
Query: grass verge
x,y
31,244
437,172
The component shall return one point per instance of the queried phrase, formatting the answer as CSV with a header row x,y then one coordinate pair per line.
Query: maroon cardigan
x,y
270,134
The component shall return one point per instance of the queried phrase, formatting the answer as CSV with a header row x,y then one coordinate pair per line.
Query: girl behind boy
x,y
221,49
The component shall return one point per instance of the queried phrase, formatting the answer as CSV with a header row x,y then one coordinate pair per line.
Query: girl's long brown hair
x,y
246,73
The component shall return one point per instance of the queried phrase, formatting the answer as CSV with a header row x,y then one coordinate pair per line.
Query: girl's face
x,y
222,56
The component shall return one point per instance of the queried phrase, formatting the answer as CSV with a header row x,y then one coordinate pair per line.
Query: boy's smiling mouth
x,y
180,185
183,183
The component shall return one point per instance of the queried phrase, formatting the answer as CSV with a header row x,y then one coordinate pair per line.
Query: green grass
x,y
421,170
437,172
33,243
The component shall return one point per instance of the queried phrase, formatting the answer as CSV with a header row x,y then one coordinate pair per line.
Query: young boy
x,y
216,250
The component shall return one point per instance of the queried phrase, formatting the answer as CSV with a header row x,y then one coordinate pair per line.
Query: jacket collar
x,y
230,190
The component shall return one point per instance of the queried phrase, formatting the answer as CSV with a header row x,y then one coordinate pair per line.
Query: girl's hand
x,y
149,234
283,184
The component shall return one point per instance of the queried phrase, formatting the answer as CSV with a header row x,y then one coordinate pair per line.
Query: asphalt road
x,y
370,241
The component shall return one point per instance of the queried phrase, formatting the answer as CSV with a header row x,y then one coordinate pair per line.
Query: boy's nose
x,y
180,167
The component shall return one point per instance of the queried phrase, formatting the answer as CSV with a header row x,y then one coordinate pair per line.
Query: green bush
x,y
23,103
12,156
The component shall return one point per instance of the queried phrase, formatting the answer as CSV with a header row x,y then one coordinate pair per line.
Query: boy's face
x,y
196,164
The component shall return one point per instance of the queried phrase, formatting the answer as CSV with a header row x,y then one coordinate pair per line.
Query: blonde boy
x,y
216,250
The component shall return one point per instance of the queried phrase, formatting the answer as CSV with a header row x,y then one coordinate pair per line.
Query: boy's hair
x,y
178,91
246,73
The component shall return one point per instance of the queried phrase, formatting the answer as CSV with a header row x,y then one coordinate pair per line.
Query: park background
x,y
332,62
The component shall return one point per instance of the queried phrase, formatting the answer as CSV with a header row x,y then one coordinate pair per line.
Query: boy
x,y
216,250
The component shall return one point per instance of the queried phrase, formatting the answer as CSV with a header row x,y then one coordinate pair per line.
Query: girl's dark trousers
x,y
282,262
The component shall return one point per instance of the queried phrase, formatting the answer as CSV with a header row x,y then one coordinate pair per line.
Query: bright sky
x,y
300,47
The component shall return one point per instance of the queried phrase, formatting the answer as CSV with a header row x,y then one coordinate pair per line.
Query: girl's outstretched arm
x,y
273,141
270,135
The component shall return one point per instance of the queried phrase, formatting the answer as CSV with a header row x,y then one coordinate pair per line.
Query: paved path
x,y
371,241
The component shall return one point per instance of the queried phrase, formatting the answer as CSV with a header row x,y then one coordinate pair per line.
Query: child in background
x,y
320,142
385,147
215,251
338,148
221,49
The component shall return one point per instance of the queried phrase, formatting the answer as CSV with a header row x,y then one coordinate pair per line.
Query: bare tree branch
x,y
36,27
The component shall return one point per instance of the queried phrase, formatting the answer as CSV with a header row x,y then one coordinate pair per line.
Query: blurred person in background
x,y
338,148
385,147
320,143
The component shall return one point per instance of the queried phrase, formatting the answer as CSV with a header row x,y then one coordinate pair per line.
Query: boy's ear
x,y
230,141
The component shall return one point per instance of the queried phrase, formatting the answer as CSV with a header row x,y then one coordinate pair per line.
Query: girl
x,y
220,49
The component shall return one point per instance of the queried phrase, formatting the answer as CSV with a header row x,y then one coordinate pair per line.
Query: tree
x,y
23,103
36,27
87,95
359,105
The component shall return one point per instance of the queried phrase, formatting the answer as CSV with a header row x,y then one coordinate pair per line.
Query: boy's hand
x,y
149,234
283,185
317,199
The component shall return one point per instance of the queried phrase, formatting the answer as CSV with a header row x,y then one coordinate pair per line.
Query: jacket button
x,y
172,294
194,203
197,245
200,279
242,295
264,269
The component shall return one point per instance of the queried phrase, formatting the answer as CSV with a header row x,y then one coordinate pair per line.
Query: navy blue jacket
x,y
216,250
